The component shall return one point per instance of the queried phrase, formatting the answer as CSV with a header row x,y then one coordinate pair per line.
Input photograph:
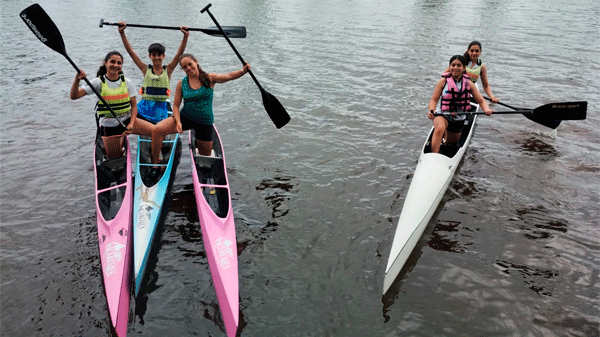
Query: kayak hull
x,y
213,200
149,198
430,181
114,216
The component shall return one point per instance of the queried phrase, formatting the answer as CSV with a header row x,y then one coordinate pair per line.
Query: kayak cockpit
x,y
212,177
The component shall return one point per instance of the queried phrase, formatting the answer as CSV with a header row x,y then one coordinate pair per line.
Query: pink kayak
x,y
114,215
213,199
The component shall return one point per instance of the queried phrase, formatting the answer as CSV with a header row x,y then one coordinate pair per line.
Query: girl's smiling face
x,y
189,66
114,66
474,52
156,58
456,68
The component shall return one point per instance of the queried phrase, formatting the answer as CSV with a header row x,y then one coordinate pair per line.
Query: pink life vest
x,y
454,99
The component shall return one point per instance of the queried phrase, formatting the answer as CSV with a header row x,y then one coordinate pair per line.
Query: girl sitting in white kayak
x,y
455,90
476,69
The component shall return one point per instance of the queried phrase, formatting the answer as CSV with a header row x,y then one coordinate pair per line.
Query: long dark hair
x,y
461,58
102,70
466,54
204,79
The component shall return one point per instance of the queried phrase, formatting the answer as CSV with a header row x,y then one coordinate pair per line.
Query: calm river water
x,y
514,250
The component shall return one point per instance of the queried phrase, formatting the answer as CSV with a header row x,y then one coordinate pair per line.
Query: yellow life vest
x,y
155,87
118,99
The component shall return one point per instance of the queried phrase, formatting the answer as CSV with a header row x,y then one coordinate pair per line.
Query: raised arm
x,y
136,59
222,78
173,64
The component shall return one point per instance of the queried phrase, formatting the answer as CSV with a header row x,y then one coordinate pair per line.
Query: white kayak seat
x,y
206,162
114,164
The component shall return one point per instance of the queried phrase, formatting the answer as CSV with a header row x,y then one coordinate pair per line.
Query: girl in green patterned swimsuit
x,y
196,90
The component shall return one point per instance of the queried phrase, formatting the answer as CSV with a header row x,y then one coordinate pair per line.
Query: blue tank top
x,y
197,103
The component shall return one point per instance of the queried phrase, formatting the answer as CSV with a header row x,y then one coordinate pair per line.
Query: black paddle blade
x,y
43,28
233,32
275,110
550,123
564,111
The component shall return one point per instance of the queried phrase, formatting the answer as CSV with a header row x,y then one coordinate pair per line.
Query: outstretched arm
x,y
222,78
138,62
173,64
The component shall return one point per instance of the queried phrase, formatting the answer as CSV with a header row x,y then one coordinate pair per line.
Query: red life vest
x,y
454,99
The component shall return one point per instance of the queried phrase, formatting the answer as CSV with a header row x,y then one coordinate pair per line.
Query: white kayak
x,y
429,184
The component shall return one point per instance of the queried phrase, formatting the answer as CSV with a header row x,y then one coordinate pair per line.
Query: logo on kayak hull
x,y
224,250
113,255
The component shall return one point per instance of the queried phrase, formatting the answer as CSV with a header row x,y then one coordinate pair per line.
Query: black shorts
x,y
115,130
144,119
455,126
204,132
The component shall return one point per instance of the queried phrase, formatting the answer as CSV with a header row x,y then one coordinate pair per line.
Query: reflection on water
x,y
447,237
536,146
530,275
281,187
536,223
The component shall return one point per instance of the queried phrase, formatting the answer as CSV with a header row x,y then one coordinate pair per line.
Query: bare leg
x,y
452,138
204,147
440,124
163,128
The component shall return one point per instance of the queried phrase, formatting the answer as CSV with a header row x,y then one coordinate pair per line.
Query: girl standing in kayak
x,y
196,90
476,69
156,87
120,94
455,90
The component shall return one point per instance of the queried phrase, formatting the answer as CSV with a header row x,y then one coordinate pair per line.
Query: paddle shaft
x,y
205,9
504,104
543,114
274,108
228,31
46,31
480,112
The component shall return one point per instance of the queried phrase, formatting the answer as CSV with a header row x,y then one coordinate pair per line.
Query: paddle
x,y
275,110
231,31
548,112
46,31
551,123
